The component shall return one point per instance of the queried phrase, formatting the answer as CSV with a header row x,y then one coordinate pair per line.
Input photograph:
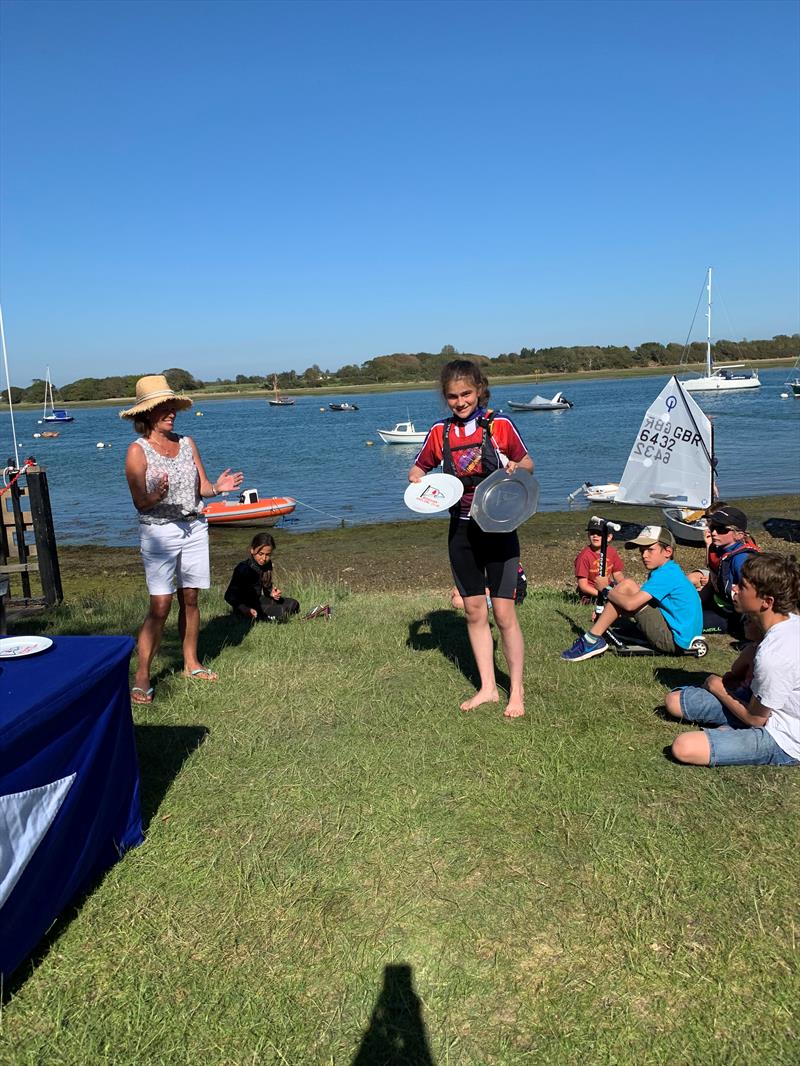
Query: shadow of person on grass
x,y
674,677
446,631
396,1034
162,751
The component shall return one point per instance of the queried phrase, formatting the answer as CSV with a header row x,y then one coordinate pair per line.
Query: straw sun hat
x,y
152,390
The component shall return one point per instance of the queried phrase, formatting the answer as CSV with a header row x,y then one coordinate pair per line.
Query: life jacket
x,y
470,463
722,595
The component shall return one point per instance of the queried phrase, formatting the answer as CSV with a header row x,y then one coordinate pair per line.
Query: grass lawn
x,y
342,868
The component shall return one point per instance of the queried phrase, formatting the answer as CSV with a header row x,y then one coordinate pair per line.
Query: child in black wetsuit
x,y
251,593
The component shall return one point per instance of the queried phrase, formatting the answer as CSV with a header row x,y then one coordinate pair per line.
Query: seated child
x,y
587,563
759,723
666,609
251,593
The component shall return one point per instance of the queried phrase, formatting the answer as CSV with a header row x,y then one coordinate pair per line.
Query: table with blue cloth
x,y
69,781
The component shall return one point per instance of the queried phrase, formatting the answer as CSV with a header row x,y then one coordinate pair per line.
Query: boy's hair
x,y
777,576
262,540
469,371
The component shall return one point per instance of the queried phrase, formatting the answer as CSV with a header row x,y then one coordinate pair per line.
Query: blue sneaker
x,y
581,650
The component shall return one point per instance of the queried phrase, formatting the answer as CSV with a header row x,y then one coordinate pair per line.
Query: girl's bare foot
x,y
515,708
488,695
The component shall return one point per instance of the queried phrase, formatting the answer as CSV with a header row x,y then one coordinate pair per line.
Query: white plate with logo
x,y
433,493
19,647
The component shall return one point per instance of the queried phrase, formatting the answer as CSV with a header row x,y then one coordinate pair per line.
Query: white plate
x,y
502,502
19,647
433,493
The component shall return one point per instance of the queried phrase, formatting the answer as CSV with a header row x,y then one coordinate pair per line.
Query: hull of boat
x,y
343,406
281,403
58,418
688,532
795,387
390,437
262,513
719,384
601,493
515,406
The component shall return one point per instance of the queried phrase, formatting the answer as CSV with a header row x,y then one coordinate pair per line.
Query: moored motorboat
x,y
403,433
559,402
343,406
596,493
249,510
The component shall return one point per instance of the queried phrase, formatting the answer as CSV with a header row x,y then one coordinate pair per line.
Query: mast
x,y
46,390
709,367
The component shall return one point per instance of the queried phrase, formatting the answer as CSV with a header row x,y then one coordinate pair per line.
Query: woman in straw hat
x,y
168,482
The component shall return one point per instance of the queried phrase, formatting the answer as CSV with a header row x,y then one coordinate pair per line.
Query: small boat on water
x,y
278,400
596,493
719,378
51,433
793,381
403,433
343,406
249,510
49,412
540,403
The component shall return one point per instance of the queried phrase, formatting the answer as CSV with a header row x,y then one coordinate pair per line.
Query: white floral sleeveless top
x,y
182,502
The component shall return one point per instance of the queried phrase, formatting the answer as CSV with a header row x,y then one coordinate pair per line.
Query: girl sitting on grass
x,y
251,593
471,444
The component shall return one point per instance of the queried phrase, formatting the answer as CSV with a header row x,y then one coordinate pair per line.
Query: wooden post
x,y
46,550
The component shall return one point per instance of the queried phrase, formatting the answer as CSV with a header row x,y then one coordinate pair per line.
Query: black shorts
x,y
483,560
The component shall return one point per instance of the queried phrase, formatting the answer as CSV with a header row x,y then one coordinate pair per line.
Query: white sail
x,y
671,459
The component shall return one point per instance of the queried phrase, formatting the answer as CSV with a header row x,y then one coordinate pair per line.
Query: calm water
x,y
321,458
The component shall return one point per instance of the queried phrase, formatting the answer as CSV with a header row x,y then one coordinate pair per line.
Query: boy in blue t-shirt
x,y
666,608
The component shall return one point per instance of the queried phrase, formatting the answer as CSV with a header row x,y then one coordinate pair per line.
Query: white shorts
x,y
175,556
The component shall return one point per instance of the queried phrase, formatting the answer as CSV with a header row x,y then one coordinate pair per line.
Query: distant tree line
x,y
403,367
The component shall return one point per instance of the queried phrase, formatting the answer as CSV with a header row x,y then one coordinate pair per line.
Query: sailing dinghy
x,y
671,463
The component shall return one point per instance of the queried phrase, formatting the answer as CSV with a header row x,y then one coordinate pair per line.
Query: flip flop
x,y
202,673
145,695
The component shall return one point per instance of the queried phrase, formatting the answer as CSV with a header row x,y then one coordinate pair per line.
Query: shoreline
x,y
402,556
411,386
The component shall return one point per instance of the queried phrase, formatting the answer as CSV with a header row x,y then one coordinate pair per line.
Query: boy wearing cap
x,y
729,547
587,563
665,609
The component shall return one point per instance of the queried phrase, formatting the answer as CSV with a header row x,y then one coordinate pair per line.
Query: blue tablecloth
x,y
69,781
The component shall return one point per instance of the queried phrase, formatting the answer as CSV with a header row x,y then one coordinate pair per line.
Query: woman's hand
x,y
227,481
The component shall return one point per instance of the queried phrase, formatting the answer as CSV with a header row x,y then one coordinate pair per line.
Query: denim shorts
x,y
734,743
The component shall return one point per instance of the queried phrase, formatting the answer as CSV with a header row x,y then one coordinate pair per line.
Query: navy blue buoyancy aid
x,y
470,463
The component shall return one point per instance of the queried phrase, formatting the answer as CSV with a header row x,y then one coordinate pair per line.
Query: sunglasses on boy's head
x,y
716,527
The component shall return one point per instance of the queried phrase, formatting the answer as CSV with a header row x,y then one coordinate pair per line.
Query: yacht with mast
x,y
49,412
718,377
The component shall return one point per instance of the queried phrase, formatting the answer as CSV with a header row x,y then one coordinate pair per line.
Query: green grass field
x,y
342,868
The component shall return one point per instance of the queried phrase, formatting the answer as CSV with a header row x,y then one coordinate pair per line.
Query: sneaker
x,y
580,650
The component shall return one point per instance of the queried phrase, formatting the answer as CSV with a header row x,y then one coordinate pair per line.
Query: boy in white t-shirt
x,y
765,728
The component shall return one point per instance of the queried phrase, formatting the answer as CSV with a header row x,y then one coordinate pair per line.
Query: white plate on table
x,y
433,493
19,647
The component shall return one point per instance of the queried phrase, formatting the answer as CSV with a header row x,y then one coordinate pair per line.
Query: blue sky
x,y
247,187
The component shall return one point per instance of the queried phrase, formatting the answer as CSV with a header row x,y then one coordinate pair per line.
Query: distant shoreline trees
x,y
404,367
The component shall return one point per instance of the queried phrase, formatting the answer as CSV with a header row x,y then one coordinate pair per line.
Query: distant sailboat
x,y
278,400
719,378
49,412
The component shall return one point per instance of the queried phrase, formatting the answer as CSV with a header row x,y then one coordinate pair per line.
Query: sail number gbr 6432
x,y
658,437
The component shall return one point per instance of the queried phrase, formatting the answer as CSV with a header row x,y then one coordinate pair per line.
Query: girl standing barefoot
x,y
471,444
